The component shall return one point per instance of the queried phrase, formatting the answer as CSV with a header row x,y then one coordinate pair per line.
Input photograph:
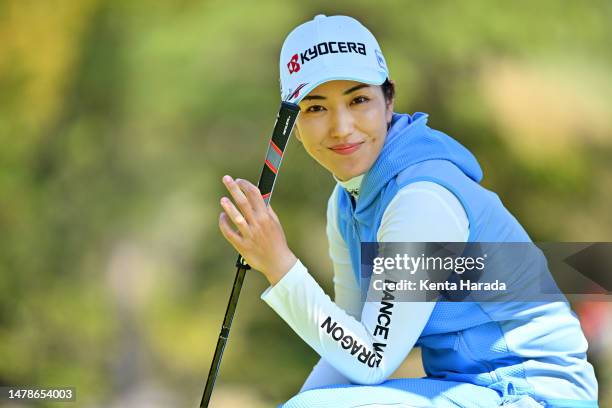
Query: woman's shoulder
x,y
424,189
425,194
426,206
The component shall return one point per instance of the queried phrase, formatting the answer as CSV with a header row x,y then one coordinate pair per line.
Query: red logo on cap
x,y
293,65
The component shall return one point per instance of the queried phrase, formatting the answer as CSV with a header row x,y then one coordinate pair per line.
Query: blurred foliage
x,y
118,119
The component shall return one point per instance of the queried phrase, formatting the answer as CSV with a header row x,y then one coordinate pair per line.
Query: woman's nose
x,y
341,123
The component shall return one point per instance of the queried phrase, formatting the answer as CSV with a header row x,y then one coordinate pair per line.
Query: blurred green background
x,y
119,118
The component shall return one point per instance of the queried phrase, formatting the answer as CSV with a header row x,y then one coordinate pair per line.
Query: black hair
x,y
388,90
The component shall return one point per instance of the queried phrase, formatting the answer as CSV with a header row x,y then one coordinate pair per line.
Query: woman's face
x,y
343,125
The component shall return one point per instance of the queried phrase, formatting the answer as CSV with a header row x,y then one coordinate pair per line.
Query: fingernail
x,y
227,178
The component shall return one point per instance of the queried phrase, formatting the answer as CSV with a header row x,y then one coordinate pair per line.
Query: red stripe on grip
x,y
271,167
275,147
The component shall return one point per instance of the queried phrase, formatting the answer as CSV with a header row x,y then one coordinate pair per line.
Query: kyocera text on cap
x,y
329,48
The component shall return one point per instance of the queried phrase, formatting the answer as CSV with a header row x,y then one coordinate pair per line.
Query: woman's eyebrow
x,y
348,91
310,97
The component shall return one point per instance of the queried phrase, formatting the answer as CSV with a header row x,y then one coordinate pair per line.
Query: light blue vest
x,y
515,347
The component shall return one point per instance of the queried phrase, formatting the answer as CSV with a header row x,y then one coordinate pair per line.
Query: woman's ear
x,y
389,111
390,103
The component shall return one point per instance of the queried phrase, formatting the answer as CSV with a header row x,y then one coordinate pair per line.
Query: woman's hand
x,y
259,237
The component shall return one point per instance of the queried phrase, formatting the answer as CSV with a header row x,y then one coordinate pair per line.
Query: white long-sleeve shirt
x,y
362,342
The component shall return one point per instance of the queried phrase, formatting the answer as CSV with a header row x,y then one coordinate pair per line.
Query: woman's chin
x,y
347,175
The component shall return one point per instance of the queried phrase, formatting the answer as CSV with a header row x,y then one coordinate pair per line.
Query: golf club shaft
x,y
225,328
280,136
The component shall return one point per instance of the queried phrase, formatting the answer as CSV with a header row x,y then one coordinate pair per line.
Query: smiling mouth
x,y
346,148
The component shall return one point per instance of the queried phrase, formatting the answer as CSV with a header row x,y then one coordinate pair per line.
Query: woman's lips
x,y
346,148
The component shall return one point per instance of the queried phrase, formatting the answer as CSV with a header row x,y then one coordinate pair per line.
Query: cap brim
x,y
364,75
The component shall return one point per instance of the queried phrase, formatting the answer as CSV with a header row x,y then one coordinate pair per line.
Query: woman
x,y
398,181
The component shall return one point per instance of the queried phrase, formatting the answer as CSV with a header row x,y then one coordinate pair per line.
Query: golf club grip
x,y
285,119
280,136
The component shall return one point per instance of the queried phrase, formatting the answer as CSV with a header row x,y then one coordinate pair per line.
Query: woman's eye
x,y
360,99
314,108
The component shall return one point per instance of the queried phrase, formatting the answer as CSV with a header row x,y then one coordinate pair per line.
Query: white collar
x,y
352,185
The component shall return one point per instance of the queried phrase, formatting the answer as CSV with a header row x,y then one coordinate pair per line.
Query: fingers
x,y
272,213
239,197
236,217
253,195
228,232
250,215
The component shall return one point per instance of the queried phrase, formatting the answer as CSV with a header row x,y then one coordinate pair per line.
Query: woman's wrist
x,y
281,268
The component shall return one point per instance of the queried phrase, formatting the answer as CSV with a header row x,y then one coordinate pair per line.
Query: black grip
x,y
280,135
285,119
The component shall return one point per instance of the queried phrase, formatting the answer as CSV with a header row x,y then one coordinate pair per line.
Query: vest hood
x,y
410,141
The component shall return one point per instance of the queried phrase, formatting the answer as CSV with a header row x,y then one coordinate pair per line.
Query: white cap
x,y
329,48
